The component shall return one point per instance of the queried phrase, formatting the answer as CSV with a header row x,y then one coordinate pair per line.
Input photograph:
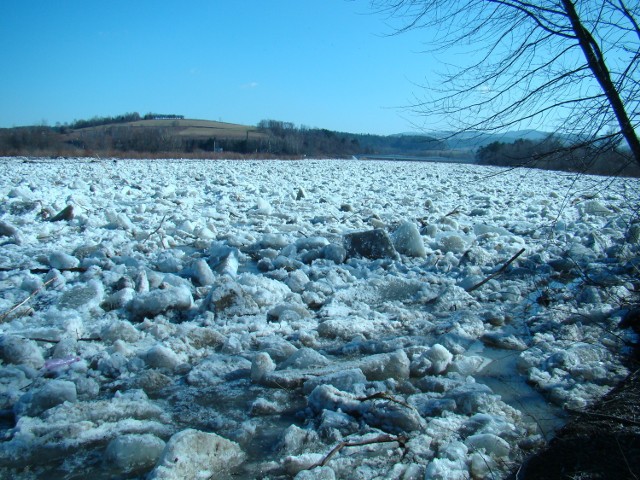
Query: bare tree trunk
x,y
596,63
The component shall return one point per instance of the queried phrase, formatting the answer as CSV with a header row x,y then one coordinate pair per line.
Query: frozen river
x,y
204,319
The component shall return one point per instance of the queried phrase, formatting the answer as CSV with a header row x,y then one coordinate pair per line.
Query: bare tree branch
x,y
573,63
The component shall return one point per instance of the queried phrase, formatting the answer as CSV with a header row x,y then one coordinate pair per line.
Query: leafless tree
x,y
573,64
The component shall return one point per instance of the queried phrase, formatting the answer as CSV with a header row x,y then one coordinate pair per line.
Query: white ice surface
x,y
212,296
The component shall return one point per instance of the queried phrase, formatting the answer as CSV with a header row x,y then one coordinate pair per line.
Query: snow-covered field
x,y
198,319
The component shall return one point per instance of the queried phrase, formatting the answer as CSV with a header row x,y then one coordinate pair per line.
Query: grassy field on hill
x,y
201,128
185,128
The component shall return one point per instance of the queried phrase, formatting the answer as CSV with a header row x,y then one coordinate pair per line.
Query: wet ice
x,y
285,307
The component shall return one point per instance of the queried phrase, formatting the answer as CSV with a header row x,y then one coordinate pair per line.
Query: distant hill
x,y
167,135
157,135
184,128
475,140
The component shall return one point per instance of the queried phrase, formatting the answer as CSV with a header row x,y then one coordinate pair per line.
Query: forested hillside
x,y
170,135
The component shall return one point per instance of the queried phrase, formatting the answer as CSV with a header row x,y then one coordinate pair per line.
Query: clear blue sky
x,y
320,63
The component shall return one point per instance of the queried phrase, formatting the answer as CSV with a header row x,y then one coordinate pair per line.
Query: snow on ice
x,y
209,319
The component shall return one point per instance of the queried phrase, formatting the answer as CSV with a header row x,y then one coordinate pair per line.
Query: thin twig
x,y
5,315
385,396
496,273
47,340
44,269
455,211
357,443
614,418
156,230
624,457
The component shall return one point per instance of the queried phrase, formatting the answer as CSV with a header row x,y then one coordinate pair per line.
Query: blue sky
x,y
320,63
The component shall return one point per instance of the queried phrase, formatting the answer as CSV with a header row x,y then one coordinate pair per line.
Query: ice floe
x,y
302,319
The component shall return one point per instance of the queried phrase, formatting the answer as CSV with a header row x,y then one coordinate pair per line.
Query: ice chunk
x,y
87,296
263,206
67,213
334,253
311,243
503,340
483,229
160,356
296,439
119,299
134,453
201,273
297,280
226,264
294,464
386,365
158,301
445,469
303,359
59,364
272,240
63,261
249,295
345,328
22,192
142,282
594,207
336,424
391,417
120,330
31,283
260,366
467,365
440,358
490,443
371,244
195,454
51,394
579,354
344,380
113,365
407,240
118,220
216,368
20,351
327,397
420,366
277,347
451,243
203,337
168,262
6,229
262,406
482,466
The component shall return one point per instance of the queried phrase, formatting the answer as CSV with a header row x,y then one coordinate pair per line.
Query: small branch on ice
x,y
455,211
5,315
43,269
156,230
386,396
497,272
48,340
400,439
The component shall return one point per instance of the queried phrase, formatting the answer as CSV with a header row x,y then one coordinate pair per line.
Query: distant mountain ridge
x,y
474,140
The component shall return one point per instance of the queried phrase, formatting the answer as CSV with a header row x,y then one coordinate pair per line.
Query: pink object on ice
x,y
57,363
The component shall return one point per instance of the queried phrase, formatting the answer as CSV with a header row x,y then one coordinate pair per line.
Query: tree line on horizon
x,y
552,153
111,136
